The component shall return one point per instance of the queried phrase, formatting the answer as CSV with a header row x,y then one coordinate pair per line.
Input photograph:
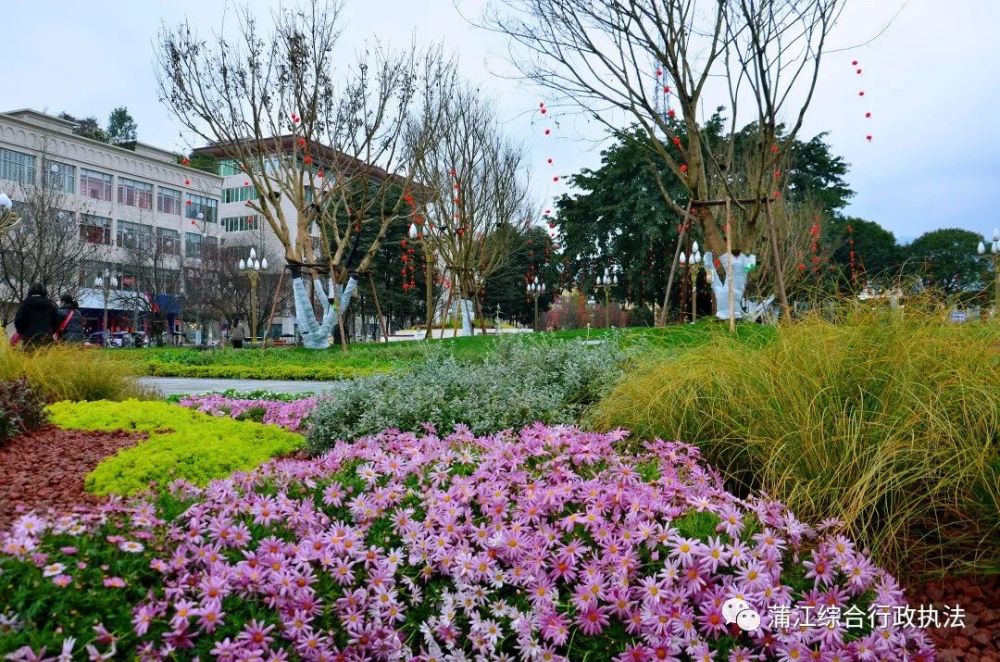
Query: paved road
x,y
175,385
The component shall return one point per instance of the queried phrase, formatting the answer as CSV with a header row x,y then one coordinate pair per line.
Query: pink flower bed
x,y
546,544
288,415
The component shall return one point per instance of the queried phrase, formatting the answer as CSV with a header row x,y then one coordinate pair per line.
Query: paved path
x,y
175,385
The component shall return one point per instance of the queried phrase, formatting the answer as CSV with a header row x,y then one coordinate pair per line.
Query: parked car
x,y
116,339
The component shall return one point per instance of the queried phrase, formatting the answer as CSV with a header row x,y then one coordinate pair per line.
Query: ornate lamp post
x,y
605,282
8,217
536,290
105,282
252,268
994,251
691,261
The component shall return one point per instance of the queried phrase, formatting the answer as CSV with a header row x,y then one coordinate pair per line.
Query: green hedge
x,y
275,371
182,443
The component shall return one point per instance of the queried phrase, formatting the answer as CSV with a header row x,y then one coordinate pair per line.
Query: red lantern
x,y
868,115
541,104
295,118
543,111
774,149
861,93
246,183
859,72
666,89
684,168
776,194
187,182
319,173
677,141
671,113
548,211
308,160
777,174
453,173
869,137
854,63
548,131
185,161
556,178
659,72
550,161
302,142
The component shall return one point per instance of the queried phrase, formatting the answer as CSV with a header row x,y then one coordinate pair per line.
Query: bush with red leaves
x,y
22,409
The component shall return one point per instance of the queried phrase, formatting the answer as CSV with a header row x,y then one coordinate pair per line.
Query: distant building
x,y
117,196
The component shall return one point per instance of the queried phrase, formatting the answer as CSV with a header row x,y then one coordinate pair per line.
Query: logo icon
x,y
735,610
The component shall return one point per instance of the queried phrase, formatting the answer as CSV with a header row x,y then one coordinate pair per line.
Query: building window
x,y
240,223
134,236
192,245
168,241
60,176
239,194
17,167
96,185
199,204
95,229
168,201
229,167
135,194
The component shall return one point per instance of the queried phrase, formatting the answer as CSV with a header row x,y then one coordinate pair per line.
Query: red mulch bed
x,y
979,597
45,469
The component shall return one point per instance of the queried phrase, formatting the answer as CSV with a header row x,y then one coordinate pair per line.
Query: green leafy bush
x,y
182,443
22,409
517,383
888,423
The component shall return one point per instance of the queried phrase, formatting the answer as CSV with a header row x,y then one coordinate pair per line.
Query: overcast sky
x,y
931,82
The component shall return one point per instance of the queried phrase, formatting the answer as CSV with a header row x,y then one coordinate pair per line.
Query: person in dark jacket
x,y
70,320
36,318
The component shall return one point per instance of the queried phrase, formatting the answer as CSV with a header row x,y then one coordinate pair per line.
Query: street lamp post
x,y
105,282
536,290
690,261
606,282
994,251
252,268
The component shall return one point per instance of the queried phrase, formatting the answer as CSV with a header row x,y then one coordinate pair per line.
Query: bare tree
x,y
476,197
216,289
271,104
651,61
47,246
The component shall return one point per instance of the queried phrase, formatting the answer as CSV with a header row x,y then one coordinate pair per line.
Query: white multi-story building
x,y
119,198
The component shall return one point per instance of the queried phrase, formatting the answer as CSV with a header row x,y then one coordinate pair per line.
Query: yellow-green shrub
x,y
182,443
891,424
67,372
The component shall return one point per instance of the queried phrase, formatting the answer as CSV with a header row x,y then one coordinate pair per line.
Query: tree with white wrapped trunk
x,y
329,148
476,200
653,62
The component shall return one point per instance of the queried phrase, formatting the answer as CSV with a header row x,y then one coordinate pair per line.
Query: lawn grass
x,y
296,363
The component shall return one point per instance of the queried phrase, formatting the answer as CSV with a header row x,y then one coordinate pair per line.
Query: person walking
x,y
36,319
70,327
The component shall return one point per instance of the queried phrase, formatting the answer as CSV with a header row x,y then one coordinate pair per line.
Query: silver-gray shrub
x,y
518,382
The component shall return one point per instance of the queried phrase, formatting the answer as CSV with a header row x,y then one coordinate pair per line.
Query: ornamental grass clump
x,y
68,372
890,423
541,545
516,383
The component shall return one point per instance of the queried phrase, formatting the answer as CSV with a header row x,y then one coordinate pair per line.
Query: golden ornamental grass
x,y
890,423
67,372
